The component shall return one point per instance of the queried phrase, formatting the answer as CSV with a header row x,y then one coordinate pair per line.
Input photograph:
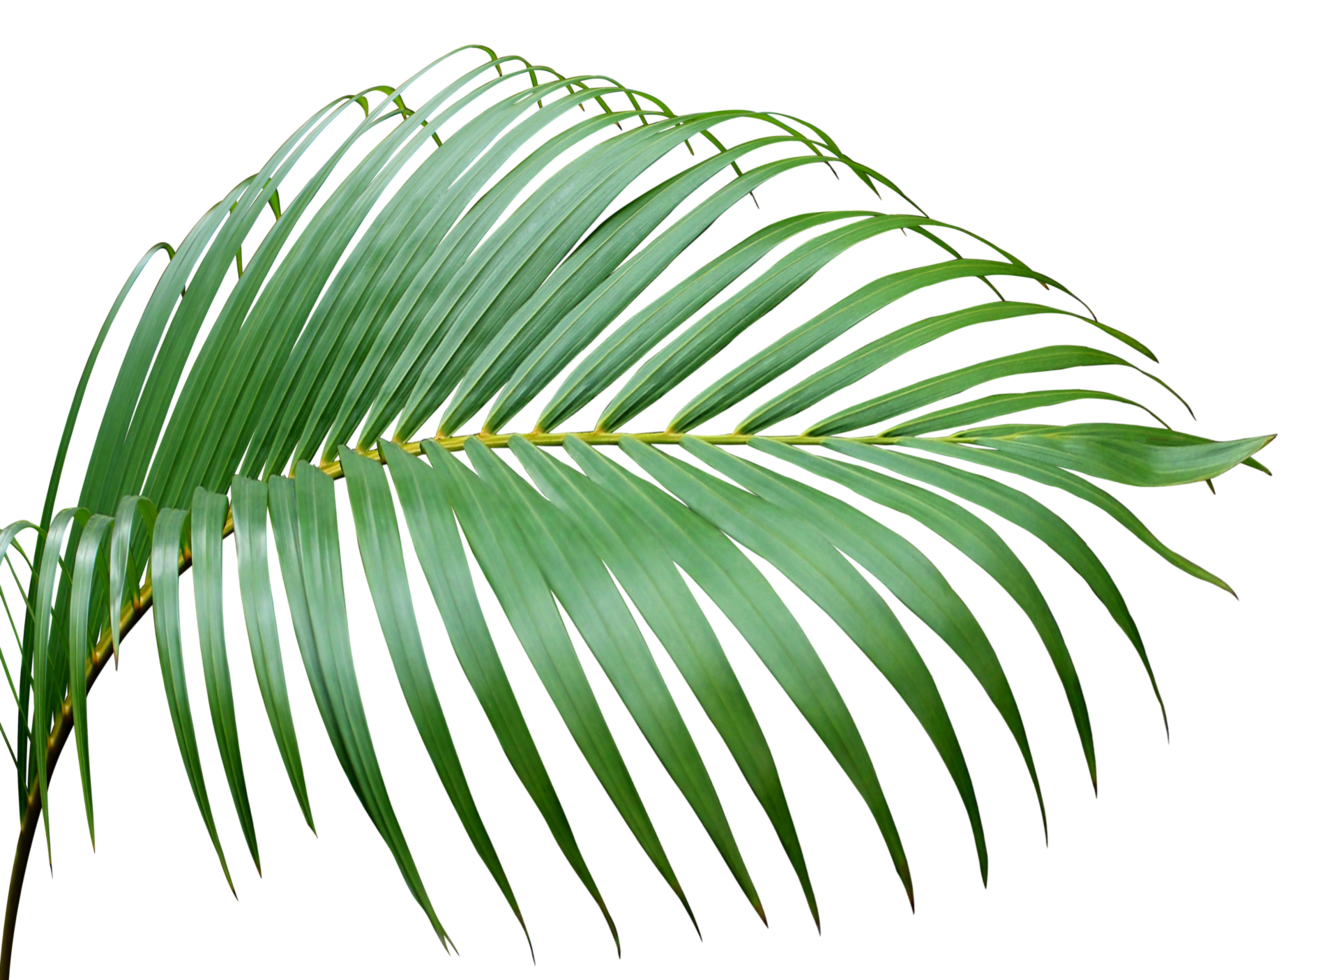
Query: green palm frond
x,y
520,245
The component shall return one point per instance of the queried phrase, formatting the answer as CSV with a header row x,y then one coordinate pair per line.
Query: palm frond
x,y
526,245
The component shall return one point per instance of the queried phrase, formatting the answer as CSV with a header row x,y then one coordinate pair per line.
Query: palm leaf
x,y
529,245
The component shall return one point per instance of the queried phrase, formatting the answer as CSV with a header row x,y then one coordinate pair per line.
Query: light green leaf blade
x,y
590,266
647,573
382,265
1017,508
503,555
1136,455
1062,479
81,598
432,527
656,320
581,582
1056,358
208,513
332,667
819,331
167,535
994,406
715,330
752,605
902,568
383,381
383,562
826,577
47,670
847,370
579,328
120,587
249,500
974,538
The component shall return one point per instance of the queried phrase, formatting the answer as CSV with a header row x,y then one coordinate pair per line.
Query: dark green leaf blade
x,y
584,323
167,534
716,329
902,568
323,586
581,582
505,559
1017,508
847,370
208,513
432,527
974,538
119,588
817,332
594,263
383,562
657,319
249,498
81,598
1062,479
647,573
746,597
879,409
1136,455
40,667
825,576
994,406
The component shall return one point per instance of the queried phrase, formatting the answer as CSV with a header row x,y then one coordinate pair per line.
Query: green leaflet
x,y
86,567
1063,479
655,321
1057,358
974,538
208,512
210,391
993,406
714,331
584,189
582,584
383,562
77,401
819,331
163,562
407,337
503,555
1133,454
824,575
589,267
437,544
899,565
7,536
502,273
383,267
105,481
39,666
752,605
175,472
120,588
1017,508
629,547
847,370
589,318
255,339
249,499
305,526
205,283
